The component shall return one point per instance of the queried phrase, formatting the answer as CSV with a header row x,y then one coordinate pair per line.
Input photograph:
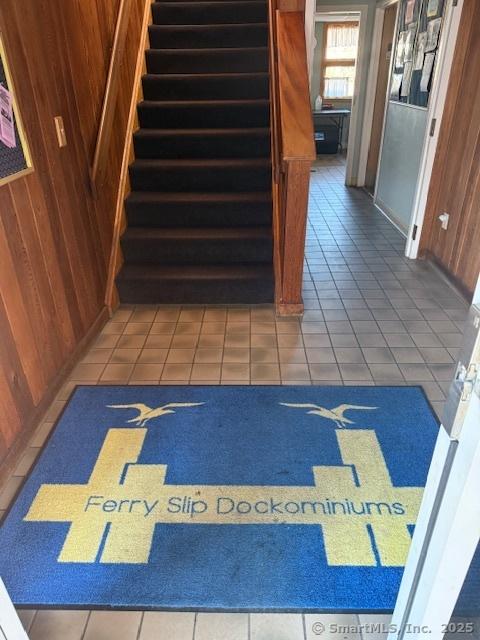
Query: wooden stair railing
x,y
293,149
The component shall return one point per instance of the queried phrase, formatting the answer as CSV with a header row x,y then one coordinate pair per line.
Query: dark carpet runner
x,y
199,214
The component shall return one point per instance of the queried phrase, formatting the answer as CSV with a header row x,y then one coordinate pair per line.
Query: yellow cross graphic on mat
x,y
113,516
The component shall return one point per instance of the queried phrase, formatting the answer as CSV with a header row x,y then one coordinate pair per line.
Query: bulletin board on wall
x,y
15,159
416,48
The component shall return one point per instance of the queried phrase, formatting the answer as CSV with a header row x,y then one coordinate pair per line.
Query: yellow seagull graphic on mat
x,y
146,413
335,414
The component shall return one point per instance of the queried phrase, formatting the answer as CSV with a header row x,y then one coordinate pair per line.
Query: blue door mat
x,y
211,498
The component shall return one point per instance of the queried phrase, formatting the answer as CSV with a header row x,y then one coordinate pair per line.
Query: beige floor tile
x,y
262,328
238,315
290,340
131,342
137,328
332,627
294,372
211,340
215,315
26,461
213,328
122,315
191,315
237,327
97,356
167,626
276,626
113,328
145,371
141,314
26,617
237,340
263,340
269,355
90,372
208,356
66,391
167,315
292,356
158,341
106,625
122,356
163,328
9,491
184,341
106,341
41,434
288,327
188,328
221,626
153,356
58,625
117,373
374,627
262,372
233,371
262,315
232,354
206,371
176,372
55,410
180,356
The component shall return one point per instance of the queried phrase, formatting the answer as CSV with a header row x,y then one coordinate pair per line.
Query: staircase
x,y
199,215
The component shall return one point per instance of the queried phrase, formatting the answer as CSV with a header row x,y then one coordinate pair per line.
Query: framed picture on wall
x,y
15,159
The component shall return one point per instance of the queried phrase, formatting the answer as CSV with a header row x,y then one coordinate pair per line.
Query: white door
x,y
10,625
448,528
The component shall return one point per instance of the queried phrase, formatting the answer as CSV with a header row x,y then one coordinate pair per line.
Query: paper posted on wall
x,y
432,8
407,79
433,34
427,71
399,57
410,11
420,51
7,126
396,84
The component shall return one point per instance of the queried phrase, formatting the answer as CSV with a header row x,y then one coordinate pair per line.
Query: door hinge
x,y
433,126
455,3
414,232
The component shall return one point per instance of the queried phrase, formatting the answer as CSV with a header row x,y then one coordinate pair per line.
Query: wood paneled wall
x,y
55,234
455,183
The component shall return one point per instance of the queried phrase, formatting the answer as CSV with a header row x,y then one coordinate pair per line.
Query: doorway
x,y
334,87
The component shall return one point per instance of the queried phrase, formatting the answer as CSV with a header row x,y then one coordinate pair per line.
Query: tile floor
x,y
372,316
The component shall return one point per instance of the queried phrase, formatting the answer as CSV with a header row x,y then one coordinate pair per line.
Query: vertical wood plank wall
x,y
455,183
55,236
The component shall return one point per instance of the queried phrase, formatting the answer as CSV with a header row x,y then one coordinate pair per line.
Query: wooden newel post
x,y
296,188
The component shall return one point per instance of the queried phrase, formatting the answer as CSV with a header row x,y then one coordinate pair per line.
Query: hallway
x,y
372,316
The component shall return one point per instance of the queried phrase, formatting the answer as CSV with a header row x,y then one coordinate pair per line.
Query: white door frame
x,y
362,10
10,626
438,97
448,527
372,90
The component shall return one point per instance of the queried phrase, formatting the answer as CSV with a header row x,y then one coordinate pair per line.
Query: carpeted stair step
x,y
207,60
182,246
201,175
202,143
197,284
212,12
157,209
207,86
196,114
208,36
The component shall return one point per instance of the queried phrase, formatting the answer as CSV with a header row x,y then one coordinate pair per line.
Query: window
x,y
339,56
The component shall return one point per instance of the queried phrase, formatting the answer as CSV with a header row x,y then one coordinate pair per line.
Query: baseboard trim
x,y
8,464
